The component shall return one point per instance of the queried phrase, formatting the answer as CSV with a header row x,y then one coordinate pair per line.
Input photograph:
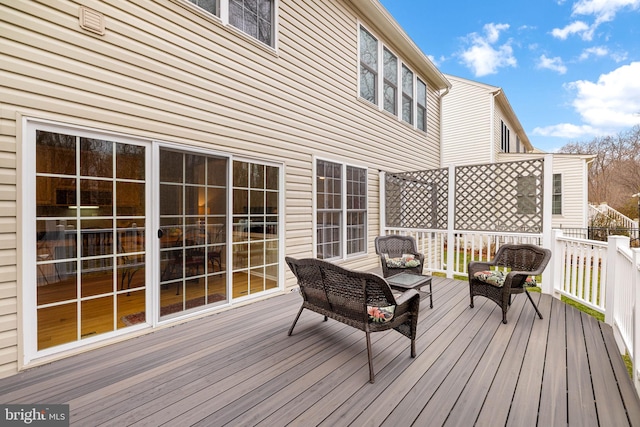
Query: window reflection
x,y
81,273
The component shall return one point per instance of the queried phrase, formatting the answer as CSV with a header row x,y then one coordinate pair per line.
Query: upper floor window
x,y
368,66
556,202
210,6
341,209
421,101
390,85
253,17
403,94
504,140
407,95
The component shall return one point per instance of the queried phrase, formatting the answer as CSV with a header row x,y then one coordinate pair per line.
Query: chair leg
x,y
371,374
534,304
294,321
504,316
413,347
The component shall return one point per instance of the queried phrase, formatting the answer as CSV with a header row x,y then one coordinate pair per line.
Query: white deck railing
x,y
604,276
620,220
580,270
467,246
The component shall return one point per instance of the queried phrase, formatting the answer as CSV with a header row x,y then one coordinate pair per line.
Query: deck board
x,y
239,367
525,404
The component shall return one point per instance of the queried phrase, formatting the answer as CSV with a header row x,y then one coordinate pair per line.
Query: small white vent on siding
x,y
91,20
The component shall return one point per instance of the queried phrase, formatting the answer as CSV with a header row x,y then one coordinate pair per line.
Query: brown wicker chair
x,y
344,295
395,246
518,262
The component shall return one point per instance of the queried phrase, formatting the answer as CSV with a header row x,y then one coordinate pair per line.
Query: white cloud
x,y
600,10
577,27
603,10
485,58
565,130
606,106
594,51
611,102
554,64
619,56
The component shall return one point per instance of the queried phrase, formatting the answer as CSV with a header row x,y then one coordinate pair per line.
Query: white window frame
x,y
343,208
419,105
27,242
223,18
505,138
27,238
379,95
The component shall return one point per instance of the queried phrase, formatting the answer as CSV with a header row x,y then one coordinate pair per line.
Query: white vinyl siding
x,y
466,124
166,73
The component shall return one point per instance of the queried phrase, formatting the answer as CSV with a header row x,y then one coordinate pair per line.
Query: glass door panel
x,y
90,241
255,228
193,199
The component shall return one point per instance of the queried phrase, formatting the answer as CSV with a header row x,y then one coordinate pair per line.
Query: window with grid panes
x,y
253,17
421,108
390,84
407,95
335,212
368,66
556,203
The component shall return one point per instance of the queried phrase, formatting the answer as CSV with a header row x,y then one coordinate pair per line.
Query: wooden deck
x,y
240,368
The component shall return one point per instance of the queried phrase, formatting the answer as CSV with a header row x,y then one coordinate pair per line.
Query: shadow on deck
x,y
240,368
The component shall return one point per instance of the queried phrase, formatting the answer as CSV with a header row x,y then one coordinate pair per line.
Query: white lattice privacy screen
x,y
506,197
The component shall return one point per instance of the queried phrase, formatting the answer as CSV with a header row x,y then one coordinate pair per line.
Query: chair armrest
x,y
405,301
475,266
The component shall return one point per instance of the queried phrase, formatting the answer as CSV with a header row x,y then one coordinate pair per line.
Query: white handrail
x,y
620,219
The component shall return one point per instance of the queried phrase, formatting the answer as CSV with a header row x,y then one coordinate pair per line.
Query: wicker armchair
x,y
395,246
518,262
350,296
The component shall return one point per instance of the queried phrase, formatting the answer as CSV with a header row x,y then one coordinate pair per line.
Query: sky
x,y
570,68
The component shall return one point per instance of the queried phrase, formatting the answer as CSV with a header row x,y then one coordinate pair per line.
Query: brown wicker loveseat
x,y
359,299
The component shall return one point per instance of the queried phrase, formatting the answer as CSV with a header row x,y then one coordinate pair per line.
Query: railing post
x,y
451,215
552,276
635,282
614,242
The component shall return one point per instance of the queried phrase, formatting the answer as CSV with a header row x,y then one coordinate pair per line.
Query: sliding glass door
x,y
93,265
90,237
193,231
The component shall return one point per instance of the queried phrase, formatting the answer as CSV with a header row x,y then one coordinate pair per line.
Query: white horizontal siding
x,y
466,122
574,192
163,72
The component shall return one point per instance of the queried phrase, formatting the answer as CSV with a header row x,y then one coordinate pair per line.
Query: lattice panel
x,y
500,197
417,199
